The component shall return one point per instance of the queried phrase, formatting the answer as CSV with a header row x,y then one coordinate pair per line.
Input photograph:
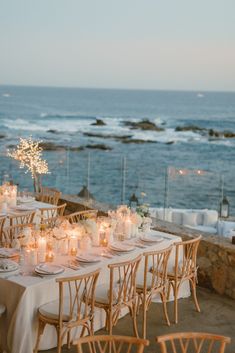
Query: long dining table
x,y
23,292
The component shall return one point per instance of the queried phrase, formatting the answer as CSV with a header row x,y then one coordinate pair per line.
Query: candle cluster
x,y
8,196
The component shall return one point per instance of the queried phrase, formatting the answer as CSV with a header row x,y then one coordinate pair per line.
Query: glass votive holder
x,y
50,256
73,251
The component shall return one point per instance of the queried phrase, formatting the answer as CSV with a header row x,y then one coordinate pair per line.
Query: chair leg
x,y
68,340
163,298
176,289
144,320
134,318
193,287
41,326
59,339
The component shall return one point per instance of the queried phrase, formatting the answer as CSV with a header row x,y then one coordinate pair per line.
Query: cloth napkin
x,y
5,252
8,265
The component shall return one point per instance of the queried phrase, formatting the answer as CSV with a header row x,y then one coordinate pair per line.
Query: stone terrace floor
x,y
217,316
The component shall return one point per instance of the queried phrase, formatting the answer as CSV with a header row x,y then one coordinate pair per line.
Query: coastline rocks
x,y
221,134
50,146
99,146
103,136
53,131
98,122
137,141
144,124
2,136
193,128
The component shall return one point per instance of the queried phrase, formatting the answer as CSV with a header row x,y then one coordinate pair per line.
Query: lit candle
x,y
73,244
50,256
73,251
128,228
42,243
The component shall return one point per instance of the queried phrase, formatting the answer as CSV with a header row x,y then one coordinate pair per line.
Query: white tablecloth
x,y
34,206
22,295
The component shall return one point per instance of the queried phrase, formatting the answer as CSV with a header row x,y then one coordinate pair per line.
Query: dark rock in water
x,y
213,133
229,134
2,136
50,146
85,193
115,137
170,142
99,146
143,125
99,122
221,134
137,141
52,131
189,128
76,149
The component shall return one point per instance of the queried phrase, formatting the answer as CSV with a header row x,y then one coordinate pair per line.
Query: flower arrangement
x,y
29,153
143,208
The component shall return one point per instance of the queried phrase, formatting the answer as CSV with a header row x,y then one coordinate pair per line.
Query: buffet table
x,y
22,293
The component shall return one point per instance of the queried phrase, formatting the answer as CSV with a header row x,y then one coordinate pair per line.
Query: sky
x,y
140,44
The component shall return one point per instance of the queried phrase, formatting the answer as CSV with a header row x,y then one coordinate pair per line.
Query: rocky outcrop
x,y
143,125
193,128
99,146
98,122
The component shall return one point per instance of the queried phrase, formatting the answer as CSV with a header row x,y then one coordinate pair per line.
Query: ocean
x,y
189,163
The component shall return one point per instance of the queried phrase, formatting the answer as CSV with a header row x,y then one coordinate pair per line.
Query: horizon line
x,y
117,88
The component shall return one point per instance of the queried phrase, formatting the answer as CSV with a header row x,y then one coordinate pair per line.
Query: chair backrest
x,y
186,257
192,342
13,232
81,215
49,195
111,344
2,221
156,263
122,288
49,216
80,294
23,218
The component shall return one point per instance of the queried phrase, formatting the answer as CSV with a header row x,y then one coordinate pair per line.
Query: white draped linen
x,y
22,294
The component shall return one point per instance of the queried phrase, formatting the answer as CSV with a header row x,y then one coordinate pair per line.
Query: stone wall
x,y
216,255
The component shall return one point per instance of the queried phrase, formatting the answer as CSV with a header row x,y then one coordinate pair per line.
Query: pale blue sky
x,y
149,44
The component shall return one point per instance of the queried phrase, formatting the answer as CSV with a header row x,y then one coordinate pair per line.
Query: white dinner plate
x,y
151,239
121,247
23,208
48,269
88,258
25,199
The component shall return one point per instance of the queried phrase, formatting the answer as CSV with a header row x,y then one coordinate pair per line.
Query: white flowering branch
x,y
29,154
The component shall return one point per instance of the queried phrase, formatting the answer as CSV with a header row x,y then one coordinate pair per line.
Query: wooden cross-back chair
x,y
153,281
111,344
13,232
49,195
81,215
120,293
192,342
185,269
74,308
49,216
22,218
